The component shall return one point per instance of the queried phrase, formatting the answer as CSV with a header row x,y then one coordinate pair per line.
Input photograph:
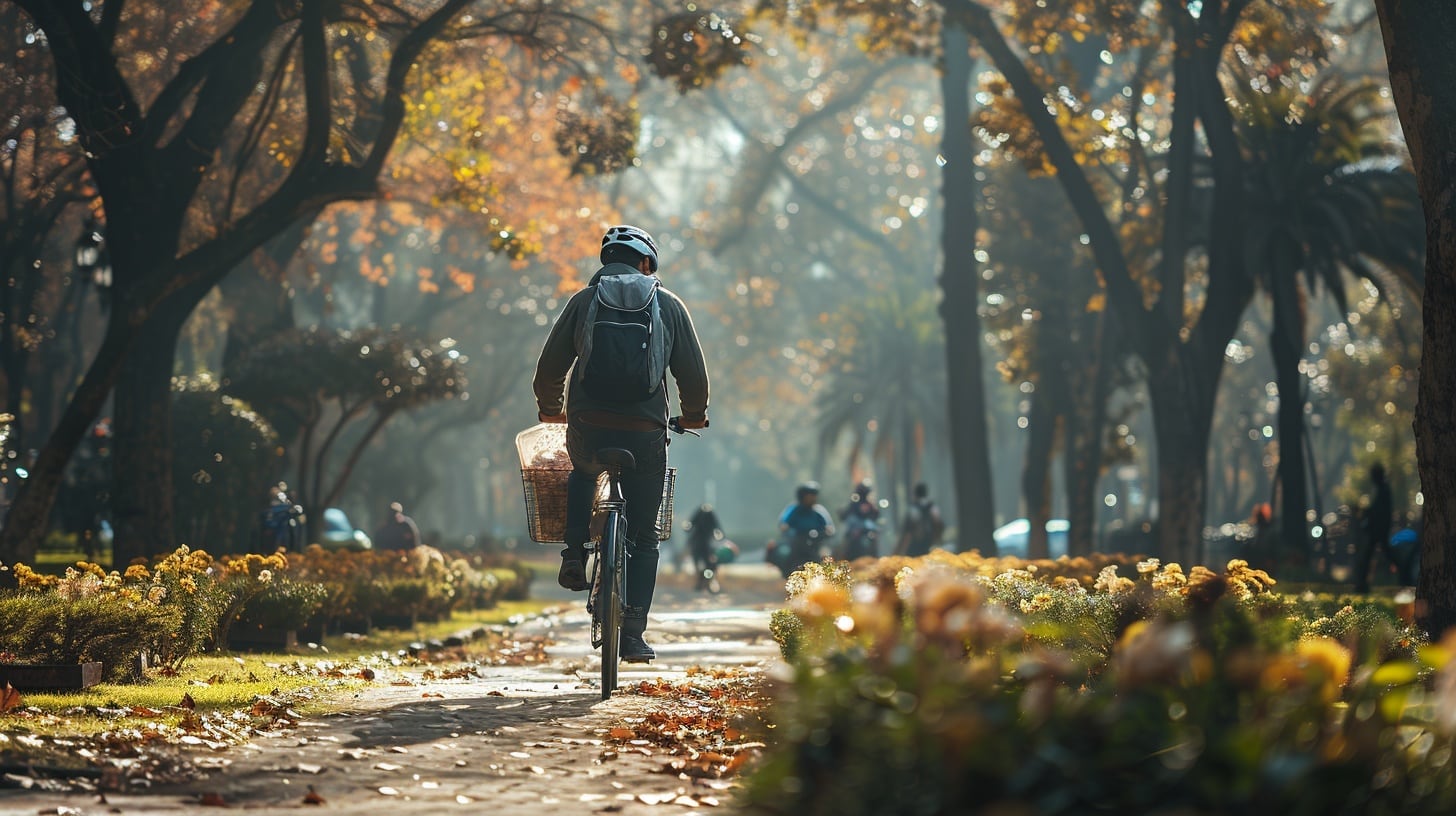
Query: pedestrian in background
x,y
398,532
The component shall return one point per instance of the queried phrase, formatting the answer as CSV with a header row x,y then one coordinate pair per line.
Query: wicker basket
x,y
546,503
544,470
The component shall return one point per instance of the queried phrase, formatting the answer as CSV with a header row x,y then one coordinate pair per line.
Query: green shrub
x,y
46,628
284,604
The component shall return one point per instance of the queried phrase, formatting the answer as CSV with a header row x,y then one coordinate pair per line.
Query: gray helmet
x,y
634,238
807,488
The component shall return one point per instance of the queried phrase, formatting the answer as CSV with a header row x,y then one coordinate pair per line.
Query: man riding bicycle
x,y
616,338
804,529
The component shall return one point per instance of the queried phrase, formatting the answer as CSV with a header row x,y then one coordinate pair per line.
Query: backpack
x,y
621,341
926,524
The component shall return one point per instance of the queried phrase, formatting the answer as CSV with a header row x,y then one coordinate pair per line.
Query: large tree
x,y
1418,36
1328,201
260,91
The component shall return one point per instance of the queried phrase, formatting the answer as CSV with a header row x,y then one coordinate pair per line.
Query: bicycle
x,y
608,556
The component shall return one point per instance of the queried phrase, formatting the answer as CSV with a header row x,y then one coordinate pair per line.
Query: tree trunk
x,y
142,491
1036,472
1086,420
1286,342
1182,417
1418,36
26,522
970,452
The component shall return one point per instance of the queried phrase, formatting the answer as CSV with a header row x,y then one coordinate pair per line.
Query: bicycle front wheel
x,y
609,600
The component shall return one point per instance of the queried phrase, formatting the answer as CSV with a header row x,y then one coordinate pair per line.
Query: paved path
x,y
524,740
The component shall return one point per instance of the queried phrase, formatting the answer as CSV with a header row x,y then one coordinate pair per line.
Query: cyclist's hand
x,y
551,419
693,423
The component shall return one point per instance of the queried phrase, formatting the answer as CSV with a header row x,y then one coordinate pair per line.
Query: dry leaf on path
x,y
212,800
9,698
312,797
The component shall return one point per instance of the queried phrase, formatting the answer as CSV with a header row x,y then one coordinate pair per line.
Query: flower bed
x,y
188,602
955,684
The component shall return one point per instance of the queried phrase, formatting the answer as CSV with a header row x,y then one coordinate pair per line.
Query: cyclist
x,y
704,533
601,410
804,527
861,519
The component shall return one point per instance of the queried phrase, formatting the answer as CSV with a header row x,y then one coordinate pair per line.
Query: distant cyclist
x,y
861,519
804,530
922,527
704,533
618,339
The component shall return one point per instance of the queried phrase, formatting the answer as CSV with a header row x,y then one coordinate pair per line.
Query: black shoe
x,y
635,649
573,571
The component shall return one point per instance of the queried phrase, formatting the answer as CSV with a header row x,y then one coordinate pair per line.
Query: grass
x,y
392,640
228,682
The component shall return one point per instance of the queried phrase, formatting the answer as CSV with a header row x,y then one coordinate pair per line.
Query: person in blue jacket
x,y
804,530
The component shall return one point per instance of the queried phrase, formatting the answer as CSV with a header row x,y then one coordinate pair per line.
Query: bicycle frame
x,y
604,601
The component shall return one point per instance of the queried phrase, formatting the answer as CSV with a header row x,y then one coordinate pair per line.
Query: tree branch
x,y
254,25
316,94
88,83
1123,292
1172,271
400,63
110,16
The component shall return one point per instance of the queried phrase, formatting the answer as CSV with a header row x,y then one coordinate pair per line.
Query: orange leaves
x,y
689,722
9,699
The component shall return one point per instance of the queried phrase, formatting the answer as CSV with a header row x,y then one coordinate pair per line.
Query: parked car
x,y
1011,539
340,534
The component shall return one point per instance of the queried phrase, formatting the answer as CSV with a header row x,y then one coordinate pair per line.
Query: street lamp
x,y
93,261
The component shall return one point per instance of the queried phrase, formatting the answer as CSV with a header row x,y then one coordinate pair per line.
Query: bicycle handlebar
x,y
675,425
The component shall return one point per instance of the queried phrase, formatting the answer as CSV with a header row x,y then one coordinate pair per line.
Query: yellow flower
x,y
1170,578
1036,604
822,599
1109,582
90,569
1152,652
30,579
1330,659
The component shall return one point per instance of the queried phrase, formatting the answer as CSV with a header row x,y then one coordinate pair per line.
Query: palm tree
x,y
1331,201
886,388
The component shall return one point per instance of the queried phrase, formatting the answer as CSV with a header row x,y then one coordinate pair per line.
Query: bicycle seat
x,y
615,457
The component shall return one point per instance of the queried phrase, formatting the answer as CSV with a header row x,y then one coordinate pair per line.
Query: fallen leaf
x,y
656,798
386,766
686,801
212,800
187,702
621,733
462,799
9,698
388,791
435,694
312,798
307,768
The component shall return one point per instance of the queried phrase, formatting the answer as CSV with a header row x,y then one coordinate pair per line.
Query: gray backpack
x,y
621,342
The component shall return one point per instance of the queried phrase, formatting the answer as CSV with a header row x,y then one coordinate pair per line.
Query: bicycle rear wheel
x,y
609,600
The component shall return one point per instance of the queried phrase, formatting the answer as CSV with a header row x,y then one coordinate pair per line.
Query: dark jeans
x,y
641,486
